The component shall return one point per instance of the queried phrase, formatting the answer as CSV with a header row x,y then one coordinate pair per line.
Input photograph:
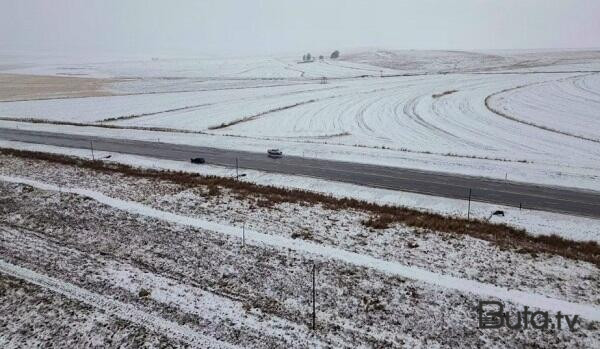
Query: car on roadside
x,y
274,153
197,160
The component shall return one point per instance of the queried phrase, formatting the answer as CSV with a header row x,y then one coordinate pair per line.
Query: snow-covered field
x,y
98,259
535,222
570,106
117,260
528,116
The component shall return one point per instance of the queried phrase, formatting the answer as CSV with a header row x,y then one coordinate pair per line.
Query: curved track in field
x,y
403,113
407,113
570,107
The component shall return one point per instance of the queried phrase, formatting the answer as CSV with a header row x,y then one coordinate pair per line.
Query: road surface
x,y
530,196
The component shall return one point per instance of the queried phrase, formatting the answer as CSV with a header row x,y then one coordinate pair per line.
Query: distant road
x,y
530,196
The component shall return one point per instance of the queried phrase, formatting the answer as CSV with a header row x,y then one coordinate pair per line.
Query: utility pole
x,y
92,147
469,209
314,314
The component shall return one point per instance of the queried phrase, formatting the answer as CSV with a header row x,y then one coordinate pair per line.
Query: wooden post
x,y
92,147
314,314
237,174
469,209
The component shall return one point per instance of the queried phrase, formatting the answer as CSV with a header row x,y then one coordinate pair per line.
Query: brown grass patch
x,y
256,116
100,125
213,190
445,93
382,216
18,87
303,234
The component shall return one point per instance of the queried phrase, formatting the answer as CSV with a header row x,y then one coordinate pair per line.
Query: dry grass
x,y
445,93
213,190
256,116
100,125
382,216
144,293
18,87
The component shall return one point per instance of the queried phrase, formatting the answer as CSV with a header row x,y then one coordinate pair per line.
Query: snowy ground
x,y
99,239
98,259
528,116
575,99
35,315
496,61
535,222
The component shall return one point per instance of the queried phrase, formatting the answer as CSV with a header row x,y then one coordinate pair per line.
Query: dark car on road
x,y
198,160
274,153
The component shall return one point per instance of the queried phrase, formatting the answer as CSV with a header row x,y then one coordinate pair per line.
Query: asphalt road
x,y
530,196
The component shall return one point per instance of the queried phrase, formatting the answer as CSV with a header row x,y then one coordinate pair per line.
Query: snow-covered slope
x,y
479,61
236,68
570,106
530,114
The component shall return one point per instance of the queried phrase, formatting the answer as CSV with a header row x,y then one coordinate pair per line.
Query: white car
x,y
274,153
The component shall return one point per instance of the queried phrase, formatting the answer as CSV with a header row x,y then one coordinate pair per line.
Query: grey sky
x,y
242,27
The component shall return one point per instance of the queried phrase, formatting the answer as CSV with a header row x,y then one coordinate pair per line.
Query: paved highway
x,y
530,196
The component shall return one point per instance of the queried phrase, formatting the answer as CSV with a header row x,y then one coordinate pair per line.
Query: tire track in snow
x,y
113,307
588,311
410,110
583,84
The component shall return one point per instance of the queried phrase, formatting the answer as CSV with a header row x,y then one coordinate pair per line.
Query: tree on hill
x,y
335,54
308,57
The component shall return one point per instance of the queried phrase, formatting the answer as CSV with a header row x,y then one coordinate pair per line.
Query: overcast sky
x,y
253,27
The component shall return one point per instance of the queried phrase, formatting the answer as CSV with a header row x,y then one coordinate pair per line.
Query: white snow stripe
x,y
588,311
121,310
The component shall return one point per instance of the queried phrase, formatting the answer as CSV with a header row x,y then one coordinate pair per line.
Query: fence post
x,y
469,209
314,314
92,147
